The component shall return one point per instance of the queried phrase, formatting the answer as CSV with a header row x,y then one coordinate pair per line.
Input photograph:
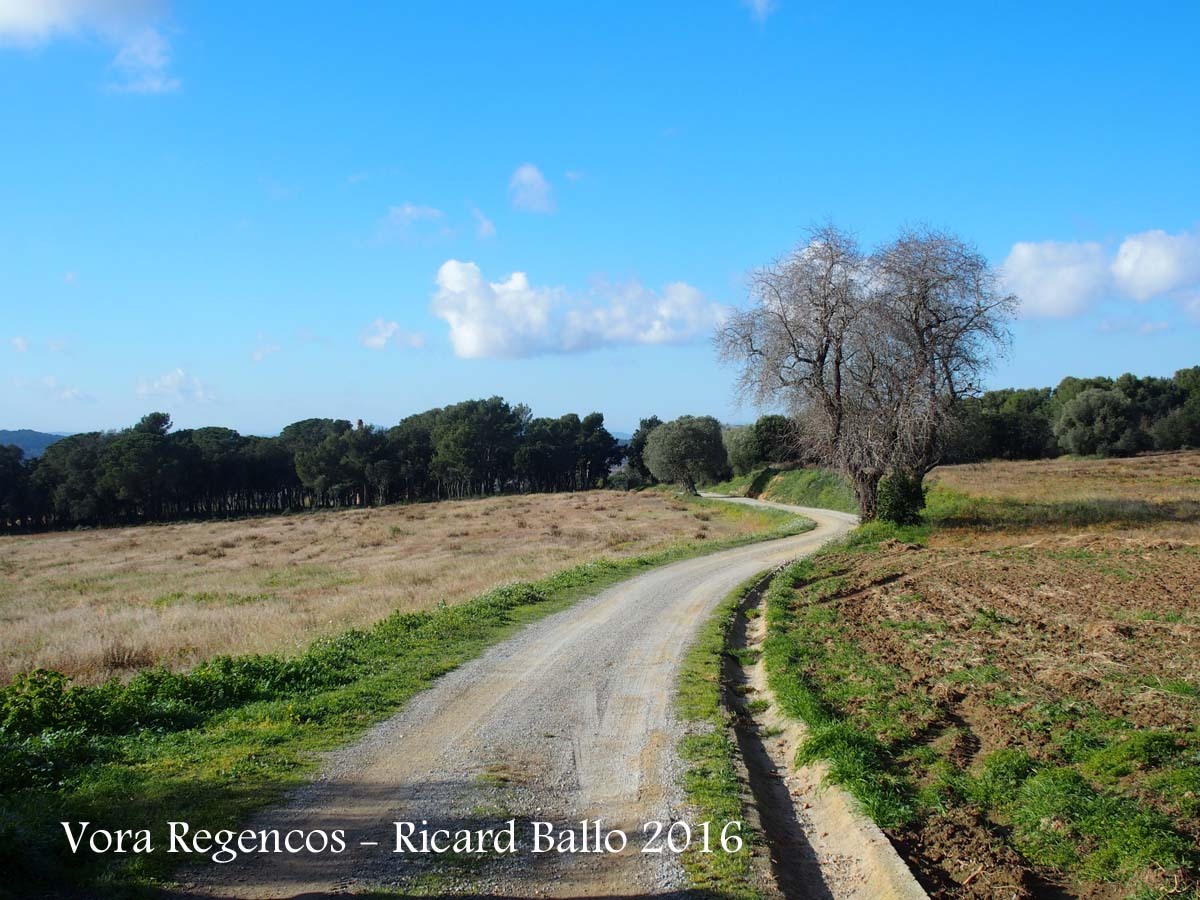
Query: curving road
x,y
569,719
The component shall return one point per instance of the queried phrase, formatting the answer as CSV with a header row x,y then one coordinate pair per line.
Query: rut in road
x,y
570,719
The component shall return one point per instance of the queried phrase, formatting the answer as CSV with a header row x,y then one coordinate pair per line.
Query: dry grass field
x,y
1157,494
98,603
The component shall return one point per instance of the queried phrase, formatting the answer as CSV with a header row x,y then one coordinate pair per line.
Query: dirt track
x,y
569,719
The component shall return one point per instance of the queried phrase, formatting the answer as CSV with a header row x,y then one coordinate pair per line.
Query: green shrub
x,y
37,701
901,499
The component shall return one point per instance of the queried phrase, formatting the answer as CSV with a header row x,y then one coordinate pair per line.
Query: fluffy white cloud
x,y
529,190
1155,263
176,385
380,334
512,318
1055,279
760,9
143,57
484,227
20,344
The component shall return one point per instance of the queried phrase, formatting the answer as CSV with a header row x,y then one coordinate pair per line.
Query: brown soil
x,y
989,626
1107,618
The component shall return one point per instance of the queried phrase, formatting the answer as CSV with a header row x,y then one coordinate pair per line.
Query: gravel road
x,y
570,719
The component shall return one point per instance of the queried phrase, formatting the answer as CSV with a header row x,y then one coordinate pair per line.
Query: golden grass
x,y
1153,496
99,603
1154,477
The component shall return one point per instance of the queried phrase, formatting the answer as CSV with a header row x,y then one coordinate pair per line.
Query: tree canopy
x,y
687,451
148,472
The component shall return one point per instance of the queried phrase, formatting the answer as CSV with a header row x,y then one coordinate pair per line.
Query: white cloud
x,y
36,21
50,387
380,334
760,9
529,190
512,318
410,221
20,344
1062,279
1055,279
264,348
142,64
407,213
143,56
484,227
176,385
1154,263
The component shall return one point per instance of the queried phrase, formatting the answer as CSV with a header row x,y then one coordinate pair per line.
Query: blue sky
x,y
247,214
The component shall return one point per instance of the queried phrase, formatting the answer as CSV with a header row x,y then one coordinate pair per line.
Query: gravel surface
x,y
570,719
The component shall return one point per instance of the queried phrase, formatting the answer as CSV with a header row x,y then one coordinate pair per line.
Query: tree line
x,y
150,473
1083,416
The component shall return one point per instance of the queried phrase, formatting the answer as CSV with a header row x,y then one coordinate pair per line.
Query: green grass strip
x,y
710,779
856,758
800,487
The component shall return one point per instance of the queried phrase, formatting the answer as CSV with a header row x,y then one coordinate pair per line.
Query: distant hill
x,y
32,442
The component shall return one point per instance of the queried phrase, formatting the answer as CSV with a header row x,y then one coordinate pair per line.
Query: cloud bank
x,y
513,318
1062,279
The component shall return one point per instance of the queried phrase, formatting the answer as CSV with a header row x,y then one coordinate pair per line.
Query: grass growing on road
x,y
710,779
212,745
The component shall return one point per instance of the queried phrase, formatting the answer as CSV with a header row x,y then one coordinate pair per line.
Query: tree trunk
x,y
866,491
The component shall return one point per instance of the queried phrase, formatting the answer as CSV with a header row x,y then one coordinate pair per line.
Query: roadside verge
x,y
805,835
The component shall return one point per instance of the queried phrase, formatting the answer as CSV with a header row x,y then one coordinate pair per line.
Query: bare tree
x,y
870,353
942,301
